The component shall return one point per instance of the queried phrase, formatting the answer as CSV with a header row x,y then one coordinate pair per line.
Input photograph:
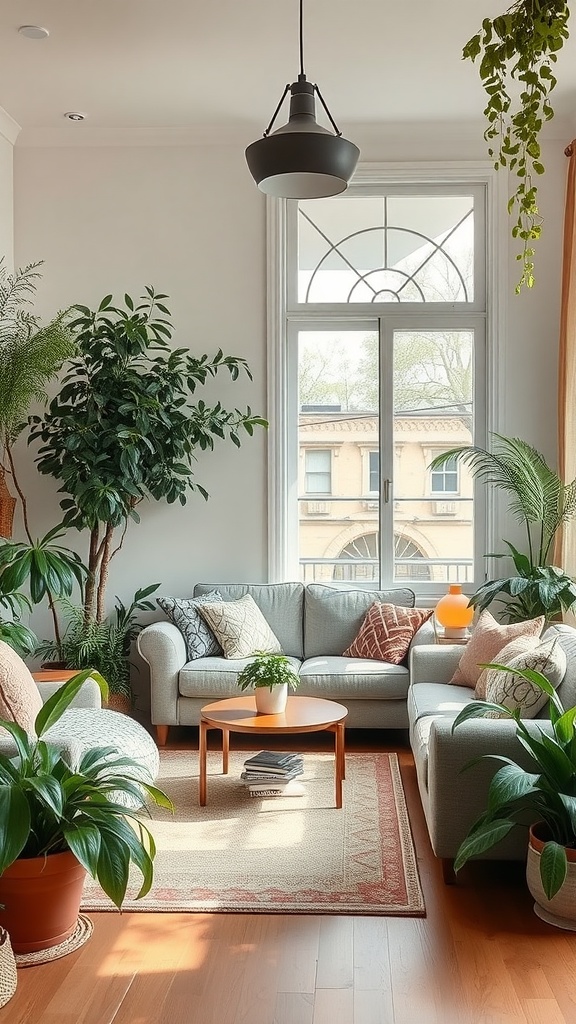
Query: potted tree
x,y
58,822
270,675
543,797
541,503
124,428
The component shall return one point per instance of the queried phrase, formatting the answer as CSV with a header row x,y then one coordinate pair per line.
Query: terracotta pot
x,y
118,702
271,700
561,909
41,899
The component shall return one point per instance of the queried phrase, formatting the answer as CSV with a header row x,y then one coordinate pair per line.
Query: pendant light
x,y
302,160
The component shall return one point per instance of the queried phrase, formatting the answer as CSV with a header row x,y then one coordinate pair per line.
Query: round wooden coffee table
x,y
303,714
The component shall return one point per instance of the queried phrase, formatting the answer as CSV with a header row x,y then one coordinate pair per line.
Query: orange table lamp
x,y
454,613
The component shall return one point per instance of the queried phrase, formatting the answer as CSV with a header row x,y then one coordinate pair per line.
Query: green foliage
x,y
47,568
30,354
547,793
48,807
268,670
541,503
124,427
520,46
104,645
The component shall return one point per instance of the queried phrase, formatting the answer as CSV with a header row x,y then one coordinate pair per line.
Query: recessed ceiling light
x,y
74,115
33,31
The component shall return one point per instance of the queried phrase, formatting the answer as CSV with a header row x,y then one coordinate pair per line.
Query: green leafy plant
x,y
268,670
48,807
12,631
546,794
541,503
105,645
123,427
521,45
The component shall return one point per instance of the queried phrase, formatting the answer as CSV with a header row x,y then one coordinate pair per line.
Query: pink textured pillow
x,y
487,640
386,632
20,699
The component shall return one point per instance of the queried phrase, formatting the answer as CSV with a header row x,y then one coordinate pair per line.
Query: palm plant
x,y
542,504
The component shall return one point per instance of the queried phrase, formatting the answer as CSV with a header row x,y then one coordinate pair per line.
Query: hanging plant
x,y
521,45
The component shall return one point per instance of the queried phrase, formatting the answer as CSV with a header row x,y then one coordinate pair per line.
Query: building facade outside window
x,y
384,340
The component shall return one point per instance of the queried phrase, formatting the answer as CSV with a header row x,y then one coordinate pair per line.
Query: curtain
x,y
565,555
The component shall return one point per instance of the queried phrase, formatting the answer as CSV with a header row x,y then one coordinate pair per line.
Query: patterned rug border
x,y
271,901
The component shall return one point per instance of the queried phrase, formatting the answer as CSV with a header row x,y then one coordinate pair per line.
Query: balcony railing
x,y
367,570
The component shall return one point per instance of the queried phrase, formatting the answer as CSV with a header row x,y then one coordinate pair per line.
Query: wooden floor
x,y
480,956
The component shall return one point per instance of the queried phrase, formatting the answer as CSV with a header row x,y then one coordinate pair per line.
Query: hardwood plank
x,y
334,1006
299,955
294,1008
543,1011
87,999
335,953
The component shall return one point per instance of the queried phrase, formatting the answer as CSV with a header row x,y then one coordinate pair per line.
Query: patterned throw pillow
x,y
513,691
198,637
20,699
386,632
521,645
487,639
240,627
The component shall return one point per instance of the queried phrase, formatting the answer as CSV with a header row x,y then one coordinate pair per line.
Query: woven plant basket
x,y
7,968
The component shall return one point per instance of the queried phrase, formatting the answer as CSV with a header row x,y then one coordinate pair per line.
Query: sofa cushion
x,y
386,632
240,627
211,678
517,693
342,679
487,639
198,637
520,645
20,699
282,605
566,636
333,615
427,702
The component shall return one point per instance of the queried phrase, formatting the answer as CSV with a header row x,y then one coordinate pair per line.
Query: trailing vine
x,y
520,45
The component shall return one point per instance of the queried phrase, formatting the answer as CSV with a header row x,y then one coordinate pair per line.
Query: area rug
x,y
296,854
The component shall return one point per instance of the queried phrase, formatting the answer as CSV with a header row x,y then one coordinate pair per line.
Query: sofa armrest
x,y
162,646
88,696
434,663
458,794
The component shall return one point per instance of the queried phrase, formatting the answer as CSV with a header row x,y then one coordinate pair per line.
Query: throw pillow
x,y
513,691
386,632
240,627
521,645
487,639
20,699
198,637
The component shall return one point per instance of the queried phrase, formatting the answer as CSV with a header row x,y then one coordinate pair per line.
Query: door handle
x,y
387,486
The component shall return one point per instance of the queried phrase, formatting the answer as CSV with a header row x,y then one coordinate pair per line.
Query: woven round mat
x,y
80,935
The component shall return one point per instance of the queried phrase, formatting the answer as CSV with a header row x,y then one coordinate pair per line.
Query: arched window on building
x,y
363,554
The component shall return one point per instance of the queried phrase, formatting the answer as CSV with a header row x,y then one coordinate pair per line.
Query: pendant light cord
x,y
301,37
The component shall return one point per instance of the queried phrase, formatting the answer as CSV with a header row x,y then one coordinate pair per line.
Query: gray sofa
x,y
314,624
452,795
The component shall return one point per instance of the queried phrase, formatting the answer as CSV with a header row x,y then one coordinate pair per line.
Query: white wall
x,y
189,221
6,203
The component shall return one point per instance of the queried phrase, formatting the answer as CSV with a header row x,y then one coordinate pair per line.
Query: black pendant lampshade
x,y
302,160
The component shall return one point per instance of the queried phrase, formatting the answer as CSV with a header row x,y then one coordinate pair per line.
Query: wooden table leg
x,y
339,759
225,750
202,748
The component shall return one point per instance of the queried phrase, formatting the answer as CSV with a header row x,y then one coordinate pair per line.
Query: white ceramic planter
x,y
271,701
561,909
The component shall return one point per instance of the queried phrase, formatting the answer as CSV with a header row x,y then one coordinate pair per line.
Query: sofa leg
x,y
448,873
162,735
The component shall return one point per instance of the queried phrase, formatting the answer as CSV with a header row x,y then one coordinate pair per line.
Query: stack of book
x,y
272,773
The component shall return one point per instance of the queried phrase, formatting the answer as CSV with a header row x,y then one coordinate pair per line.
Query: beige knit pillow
x,y
20,699
521,645
487,639
239,627
515,692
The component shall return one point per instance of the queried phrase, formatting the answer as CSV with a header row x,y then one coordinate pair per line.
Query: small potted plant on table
x,y
270,675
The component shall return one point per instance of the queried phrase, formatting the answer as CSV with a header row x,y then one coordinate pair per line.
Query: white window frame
x,y
328,452
282,473
443,472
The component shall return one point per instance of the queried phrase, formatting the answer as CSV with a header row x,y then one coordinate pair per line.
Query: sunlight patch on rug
x,y
294,854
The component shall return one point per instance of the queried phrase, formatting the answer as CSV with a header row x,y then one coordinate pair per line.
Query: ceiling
x,y
221,65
